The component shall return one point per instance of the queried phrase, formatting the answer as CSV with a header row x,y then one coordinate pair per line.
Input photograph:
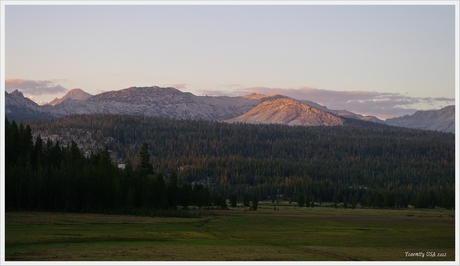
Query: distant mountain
x,y
439,120
341,113
371,118
288,112
348,114
172,103
157,101
20,108
75,94
264,97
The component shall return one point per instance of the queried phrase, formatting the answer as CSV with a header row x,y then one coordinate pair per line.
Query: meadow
x,y
272,233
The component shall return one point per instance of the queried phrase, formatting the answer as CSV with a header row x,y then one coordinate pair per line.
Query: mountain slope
x,y
440,120
19,108
157,101
289,112
172,103
75,94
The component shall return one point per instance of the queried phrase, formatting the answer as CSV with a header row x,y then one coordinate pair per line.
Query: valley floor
x,y
272,233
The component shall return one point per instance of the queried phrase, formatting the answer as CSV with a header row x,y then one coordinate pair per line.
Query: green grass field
x,y
287,234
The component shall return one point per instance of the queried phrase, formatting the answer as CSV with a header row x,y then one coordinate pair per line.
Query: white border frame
x,y
2,123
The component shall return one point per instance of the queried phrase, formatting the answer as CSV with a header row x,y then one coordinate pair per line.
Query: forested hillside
x,y
373,164
45,176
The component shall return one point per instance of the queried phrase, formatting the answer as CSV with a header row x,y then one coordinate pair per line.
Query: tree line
x,y
362,162
46,176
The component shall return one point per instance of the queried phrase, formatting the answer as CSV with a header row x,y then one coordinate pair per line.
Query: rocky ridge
x,y
172,103
440,120
18,107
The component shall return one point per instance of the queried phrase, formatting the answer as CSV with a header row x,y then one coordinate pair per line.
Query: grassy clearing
x,y
320,234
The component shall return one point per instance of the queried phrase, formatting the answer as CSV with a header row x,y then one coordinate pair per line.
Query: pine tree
x,y
379,201
246,199
255,202
145,166
233,200
185,195
301,200
172,191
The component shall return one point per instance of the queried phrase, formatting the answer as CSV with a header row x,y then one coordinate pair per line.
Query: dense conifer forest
x,y
45,176
359,164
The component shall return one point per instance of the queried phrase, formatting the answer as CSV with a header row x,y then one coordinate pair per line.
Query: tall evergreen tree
x,y
145,166
301,200
185,195
172,191
233,200
255,202
246,199
379,201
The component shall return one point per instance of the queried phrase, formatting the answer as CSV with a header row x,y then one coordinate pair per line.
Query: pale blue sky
x,y
376,59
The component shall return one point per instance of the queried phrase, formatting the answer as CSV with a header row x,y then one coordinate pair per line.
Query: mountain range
x,y
173,103
440,120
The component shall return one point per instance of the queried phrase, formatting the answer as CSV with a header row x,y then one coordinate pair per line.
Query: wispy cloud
x,y
179,86
225,90
39,102
215,93
380,104
34,87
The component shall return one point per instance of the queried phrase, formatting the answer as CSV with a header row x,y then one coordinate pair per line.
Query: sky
x,y
382,60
